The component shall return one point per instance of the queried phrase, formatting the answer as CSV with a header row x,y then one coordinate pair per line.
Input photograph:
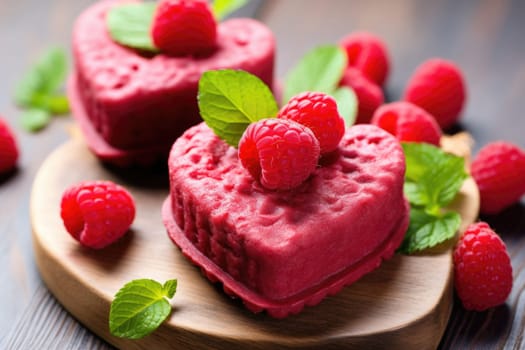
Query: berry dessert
x,y
482,268
281,249
438,87
498,169
407,122
131,105
97,213
8,148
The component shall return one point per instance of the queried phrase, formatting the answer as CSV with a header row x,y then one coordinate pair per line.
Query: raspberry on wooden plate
x,y
482,268
97,213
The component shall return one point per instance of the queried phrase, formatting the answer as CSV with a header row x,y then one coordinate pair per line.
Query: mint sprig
x,y
140,307
432,180
321,70
229,100
129,24
39,90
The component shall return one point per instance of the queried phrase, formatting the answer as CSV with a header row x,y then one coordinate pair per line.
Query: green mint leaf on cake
x,y
39,90
427,230
346,104
229,100
432,180
222,8
140,307
129,25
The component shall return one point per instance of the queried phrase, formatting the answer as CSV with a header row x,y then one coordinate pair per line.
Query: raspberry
x,y
8,148
184,27
407,122
498,171
367,53
279,153
317,111
97,213
369,95
482,268
438,87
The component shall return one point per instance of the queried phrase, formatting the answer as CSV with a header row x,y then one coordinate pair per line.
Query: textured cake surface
x,y
279,250
139,101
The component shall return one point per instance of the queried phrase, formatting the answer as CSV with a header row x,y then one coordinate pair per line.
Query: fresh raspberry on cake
x,y
279,153
97,213
317,111
482,268
438,86
407,122
367,53
498,170
8,148
369,95
184,27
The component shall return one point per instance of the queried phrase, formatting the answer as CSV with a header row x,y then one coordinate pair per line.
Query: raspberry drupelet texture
x,y
317,111
407,122
498,170
482,268
367,53
369,95
8,148
184,27
279,153
438,87
97,213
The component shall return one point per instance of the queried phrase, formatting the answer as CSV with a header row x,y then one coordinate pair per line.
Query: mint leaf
x,y
44,78
229,100
436,175
426,230
222,8
140,307
35,119
346,104
129,24
319,70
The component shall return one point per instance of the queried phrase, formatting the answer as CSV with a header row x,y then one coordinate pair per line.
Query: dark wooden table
x,y
486,38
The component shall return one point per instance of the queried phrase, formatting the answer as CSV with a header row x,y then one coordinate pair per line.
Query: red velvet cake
x,y
281,250
131,106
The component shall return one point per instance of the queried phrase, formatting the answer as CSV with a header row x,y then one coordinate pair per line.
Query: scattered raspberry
x,y
482,269
499,170
317,111
184,27
369,95
97,213
367,53
8,148
407,122
279,153
438,87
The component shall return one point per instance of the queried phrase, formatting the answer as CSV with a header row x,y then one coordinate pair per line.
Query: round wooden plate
x,y
404,304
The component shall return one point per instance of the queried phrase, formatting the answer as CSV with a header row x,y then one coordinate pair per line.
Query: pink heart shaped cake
x,y
281,250
131,107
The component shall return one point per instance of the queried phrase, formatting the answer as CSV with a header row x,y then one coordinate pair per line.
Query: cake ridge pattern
x,y
245,236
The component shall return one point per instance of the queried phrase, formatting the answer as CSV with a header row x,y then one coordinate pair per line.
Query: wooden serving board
x,y
404,304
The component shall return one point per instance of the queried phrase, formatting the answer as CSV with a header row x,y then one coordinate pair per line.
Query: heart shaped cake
x,y
281,250
132,106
